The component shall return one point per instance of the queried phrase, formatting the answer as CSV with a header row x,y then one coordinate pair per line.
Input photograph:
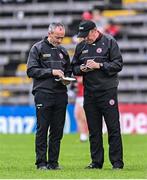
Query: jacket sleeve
x,y
68,70
76,64
34,69
115,63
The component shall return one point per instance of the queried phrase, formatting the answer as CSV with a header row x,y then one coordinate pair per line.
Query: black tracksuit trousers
x,y
98,105
50,111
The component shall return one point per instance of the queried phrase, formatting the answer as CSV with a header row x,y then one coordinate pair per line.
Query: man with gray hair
x,y
48,62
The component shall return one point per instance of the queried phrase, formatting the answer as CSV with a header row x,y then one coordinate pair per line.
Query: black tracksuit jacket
x,y
43,58
104,50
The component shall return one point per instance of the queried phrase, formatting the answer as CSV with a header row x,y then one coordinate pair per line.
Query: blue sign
x,y
22,119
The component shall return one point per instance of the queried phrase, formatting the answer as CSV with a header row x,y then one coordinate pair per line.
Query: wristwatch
x,y
101,65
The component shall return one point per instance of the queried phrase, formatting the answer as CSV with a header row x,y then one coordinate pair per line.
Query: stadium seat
x,y
24,22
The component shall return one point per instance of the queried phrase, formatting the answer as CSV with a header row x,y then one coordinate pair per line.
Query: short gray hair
x,y
53,26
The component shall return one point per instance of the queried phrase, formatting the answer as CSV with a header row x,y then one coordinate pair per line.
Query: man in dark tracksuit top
x,y
97,58
48,62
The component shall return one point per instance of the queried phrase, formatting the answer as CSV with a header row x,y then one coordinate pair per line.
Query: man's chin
x,y
56,45
89,42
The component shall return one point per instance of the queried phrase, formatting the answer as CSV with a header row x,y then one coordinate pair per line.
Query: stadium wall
x,y
22,120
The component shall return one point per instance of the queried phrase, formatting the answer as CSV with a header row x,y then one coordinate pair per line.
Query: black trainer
x,y
93,166
117,168
53,167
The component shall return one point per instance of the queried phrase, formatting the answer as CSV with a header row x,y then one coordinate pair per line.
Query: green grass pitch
x,y
17,159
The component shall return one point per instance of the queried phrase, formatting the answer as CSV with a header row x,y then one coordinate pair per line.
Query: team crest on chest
x,y
61,55
99,50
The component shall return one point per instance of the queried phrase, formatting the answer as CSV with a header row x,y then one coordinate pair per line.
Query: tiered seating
x,y
135,4
114,13
26,22
15,90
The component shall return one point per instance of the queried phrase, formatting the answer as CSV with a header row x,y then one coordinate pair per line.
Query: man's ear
x,y
95,29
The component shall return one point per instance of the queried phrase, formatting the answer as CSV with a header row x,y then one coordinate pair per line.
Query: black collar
x,y
99,37
47,42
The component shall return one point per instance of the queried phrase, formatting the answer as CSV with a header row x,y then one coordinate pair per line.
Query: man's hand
x,y
89,66
83,68
92,64
58,72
